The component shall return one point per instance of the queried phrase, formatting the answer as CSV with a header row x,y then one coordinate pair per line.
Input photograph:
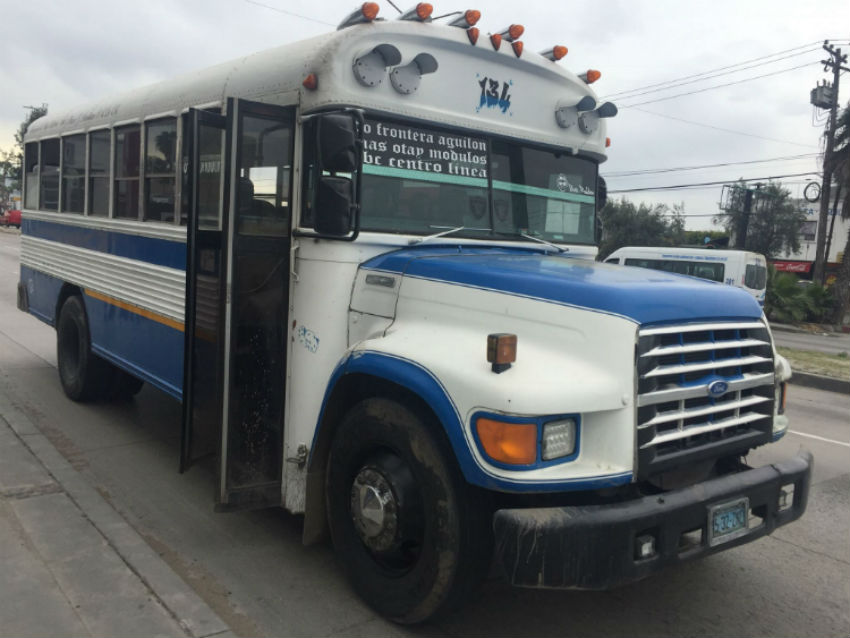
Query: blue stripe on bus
x,y
148,349
162,252
423,383
42,293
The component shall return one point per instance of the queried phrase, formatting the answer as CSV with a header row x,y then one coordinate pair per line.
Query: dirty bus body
x,y
375,294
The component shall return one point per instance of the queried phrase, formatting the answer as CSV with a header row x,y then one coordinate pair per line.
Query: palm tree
x,y
841,157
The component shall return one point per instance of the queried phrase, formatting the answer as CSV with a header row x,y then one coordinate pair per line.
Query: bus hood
x,y
640,295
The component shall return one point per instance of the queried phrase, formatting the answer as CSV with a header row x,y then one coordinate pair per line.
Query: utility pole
x,y
834,62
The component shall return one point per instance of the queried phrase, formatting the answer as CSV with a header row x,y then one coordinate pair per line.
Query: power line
x,y
676,84
290,13
649,171
725,130
719,86
725,181
619,94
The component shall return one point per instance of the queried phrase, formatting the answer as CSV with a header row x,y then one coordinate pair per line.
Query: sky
x,y
66,53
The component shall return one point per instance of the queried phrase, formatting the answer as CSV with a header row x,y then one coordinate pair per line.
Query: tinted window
x,y
755,276
99,142
49,175
73,173
127,151
31,172
160,175
710,271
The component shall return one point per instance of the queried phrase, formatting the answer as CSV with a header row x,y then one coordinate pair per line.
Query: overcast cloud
x,y
65,53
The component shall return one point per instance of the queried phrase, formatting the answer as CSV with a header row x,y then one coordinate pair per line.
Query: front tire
x,y
81,372
412,537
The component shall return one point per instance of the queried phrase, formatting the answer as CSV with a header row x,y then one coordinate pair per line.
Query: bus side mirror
x,y
338,143
334,206
601,194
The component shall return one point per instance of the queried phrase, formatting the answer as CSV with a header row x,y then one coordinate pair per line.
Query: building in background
x,y
802,262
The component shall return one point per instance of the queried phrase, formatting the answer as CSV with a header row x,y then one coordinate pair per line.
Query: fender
x,y
422,382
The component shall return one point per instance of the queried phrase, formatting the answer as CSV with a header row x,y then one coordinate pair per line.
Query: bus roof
x,y
685,253
530,88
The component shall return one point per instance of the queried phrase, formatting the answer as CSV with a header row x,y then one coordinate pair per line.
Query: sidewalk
x,y
70,565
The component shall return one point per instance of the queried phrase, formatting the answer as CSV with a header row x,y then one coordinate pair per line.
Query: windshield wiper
x,y
449,231
560,249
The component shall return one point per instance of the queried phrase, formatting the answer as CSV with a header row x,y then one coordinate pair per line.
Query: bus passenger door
x,y
250,362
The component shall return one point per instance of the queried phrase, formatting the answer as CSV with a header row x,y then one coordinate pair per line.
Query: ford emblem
x,y
717,388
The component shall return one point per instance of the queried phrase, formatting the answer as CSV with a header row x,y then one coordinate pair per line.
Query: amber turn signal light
x,y
501,351
496,41
591,76
517,47
509,443
472,34
311,82
607,142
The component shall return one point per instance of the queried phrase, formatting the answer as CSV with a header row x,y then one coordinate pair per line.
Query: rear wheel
x,y
82,373
411,536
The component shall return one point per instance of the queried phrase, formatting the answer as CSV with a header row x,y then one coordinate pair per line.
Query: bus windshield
x,y
422,181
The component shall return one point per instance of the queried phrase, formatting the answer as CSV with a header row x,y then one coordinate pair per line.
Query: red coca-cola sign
x,y
792,266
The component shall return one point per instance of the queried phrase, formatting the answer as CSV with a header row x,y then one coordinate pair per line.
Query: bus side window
x,y
160,159
49,199
31,170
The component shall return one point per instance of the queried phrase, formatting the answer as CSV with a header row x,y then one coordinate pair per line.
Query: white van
x,y
740,268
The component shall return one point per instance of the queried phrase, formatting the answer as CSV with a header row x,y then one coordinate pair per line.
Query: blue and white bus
x,y
365,264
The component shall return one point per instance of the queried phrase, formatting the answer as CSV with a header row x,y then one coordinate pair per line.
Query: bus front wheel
x,y
81,372
413,540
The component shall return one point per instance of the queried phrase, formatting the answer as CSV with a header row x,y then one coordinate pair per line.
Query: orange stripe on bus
x,y
147,314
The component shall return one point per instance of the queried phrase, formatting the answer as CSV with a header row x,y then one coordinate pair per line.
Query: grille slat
x,y
679,420
690,413
703,347
687,368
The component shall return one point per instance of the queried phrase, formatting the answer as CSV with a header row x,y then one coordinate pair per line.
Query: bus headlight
x,y
559,439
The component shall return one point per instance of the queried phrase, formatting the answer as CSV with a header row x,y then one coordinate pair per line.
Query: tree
x,y
772,223
11,160
841,155
624,224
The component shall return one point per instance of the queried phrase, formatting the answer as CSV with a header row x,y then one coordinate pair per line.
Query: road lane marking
x,y
819,438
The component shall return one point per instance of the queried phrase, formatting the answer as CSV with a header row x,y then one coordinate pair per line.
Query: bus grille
x,y
678,420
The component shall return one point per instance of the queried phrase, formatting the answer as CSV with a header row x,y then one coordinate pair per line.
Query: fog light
x,y
786,497
559,439
644,547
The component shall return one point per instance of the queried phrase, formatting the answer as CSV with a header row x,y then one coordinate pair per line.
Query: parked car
x,y
11,218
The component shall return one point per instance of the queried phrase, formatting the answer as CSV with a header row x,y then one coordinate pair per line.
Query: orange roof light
x,y
513,32
311,82
558,52
517,47
496,41
510,443
370,10
591,76
466,19
473,34
424,10
607,142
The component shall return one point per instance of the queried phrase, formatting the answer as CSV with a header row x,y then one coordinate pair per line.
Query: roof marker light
x,y
517,47
370,68
421,12
311,82
607,142
473,34
466,19
590,76
608,109
567,115
366,12
555,53
496,41
406,79
513,32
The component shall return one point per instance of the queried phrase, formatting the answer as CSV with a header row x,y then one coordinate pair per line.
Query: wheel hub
x,y
374,509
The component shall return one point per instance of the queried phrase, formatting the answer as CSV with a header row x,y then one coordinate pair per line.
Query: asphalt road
x,y
252,569
831,343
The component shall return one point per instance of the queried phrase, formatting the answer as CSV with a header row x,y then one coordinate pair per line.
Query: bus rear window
x,y
755,276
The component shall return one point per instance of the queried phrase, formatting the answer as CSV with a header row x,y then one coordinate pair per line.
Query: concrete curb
x,y
820,382
188,609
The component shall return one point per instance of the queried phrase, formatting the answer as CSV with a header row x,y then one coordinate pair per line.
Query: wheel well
x,y
68,290
350,390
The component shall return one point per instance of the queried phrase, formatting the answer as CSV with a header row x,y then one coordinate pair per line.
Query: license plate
x,y
728,520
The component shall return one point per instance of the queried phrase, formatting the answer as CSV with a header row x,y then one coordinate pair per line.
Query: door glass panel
x,y
260,294
266,154
210,171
